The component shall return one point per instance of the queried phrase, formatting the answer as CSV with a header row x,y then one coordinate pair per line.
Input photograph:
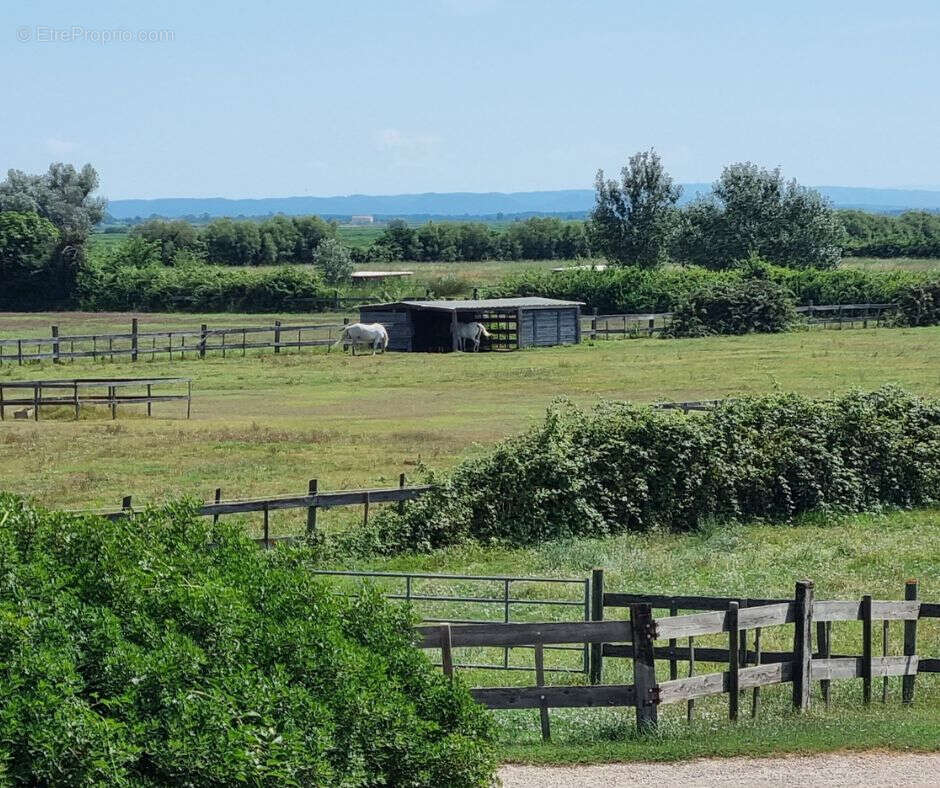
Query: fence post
x,y
312,509
267,524
594,324
597,614
336,299
447,657
203,335
133,339
476,293
55,344
824,646
401,485
755,694
866,649
126,503
218,498
540,682
802,644
910,642
277,336
644,667
734,660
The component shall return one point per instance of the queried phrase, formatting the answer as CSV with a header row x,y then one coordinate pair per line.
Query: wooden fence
x,y
75,392
486,596
311,501
652,323
137,344
636,638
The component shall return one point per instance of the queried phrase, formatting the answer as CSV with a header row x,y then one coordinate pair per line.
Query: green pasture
x,y
265,424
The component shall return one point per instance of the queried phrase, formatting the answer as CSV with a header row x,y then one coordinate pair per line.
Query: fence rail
x,y
501,603
312,501
137,344
75,392
649,324
748,669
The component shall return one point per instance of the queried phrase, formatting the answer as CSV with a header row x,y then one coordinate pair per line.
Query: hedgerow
x,y
633,290
169,650
740,307
194,288
623,467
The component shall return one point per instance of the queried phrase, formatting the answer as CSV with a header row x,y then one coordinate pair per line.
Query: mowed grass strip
x,y
266,423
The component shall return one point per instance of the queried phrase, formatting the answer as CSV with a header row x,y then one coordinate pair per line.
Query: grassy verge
x,y
892,727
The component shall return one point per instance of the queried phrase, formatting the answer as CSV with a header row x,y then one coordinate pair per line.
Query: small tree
x,y
753,211
634,221
333,259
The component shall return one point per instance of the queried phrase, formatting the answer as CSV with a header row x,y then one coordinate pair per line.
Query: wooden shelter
x,y
427,326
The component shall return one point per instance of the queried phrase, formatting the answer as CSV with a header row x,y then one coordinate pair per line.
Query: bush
x,y
167,650
333,259
623,467
919,305
194,288
734,307
620,290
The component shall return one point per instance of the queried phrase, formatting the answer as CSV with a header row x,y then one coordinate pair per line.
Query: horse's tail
x,y
342,337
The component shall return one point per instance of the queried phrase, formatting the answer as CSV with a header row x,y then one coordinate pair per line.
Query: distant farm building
x,y
594,267
361,219
428,326
377,276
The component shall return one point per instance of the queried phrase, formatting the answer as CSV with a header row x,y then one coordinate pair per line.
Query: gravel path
x,y
867,769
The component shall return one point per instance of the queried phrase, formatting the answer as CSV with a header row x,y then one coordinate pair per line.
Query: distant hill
x,y
474,204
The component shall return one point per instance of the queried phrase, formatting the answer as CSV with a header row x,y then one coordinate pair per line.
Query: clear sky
x,y
256,99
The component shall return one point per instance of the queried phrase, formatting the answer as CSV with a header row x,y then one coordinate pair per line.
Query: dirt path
x,y
867,769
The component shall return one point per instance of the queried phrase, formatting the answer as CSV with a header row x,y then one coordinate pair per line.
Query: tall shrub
x,y
168,650
624,467
734,307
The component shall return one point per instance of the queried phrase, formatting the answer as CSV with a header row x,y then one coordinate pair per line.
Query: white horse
x,y
367,334
471,331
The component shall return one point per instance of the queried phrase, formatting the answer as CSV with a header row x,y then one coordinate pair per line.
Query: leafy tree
x,y
62,196
172,237
333,259
753,211
398,241
310,231
233,243
26,243
634,221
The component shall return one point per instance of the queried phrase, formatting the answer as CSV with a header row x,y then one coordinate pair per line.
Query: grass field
x,y
264,424
929,265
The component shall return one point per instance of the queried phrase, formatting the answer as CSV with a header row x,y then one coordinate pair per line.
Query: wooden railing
x,y
312,501
29,396
652,323
137,344
747,669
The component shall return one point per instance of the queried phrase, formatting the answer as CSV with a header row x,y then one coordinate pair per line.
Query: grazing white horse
x,y
471,331
367,334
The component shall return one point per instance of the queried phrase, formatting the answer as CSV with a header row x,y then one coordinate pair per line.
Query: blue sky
x,y
255,99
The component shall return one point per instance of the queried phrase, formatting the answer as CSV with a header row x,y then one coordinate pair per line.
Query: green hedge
x,y
623,467
166,650
726,307
631,290
195,288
